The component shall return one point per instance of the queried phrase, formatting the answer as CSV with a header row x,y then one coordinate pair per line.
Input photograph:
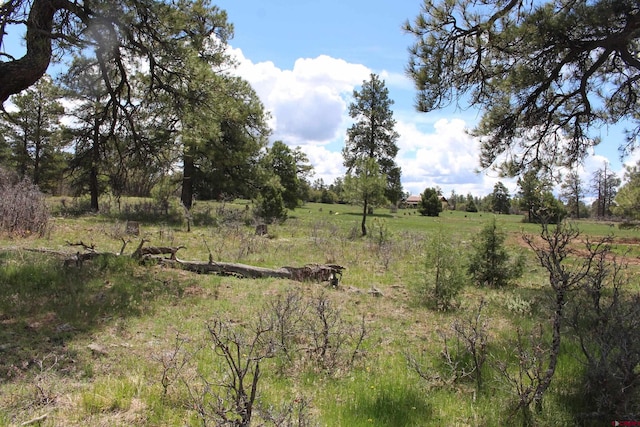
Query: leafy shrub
x,y
430,204
270,205
23,210
444,274
162,192
490,263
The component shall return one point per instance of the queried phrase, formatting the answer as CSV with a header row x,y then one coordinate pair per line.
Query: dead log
x,y
318,273
160,250
142,251
79,258
309,273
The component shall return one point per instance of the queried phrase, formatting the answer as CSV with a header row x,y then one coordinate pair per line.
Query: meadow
x,y
114,342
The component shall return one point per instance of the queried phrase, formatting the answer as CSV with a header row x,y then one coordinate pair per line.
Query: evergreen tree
x,y
290,166
490,263
153,32
470,204
94,129
536,199
500,199
430,204
373,136
226,155
604,184
270,205
34,132
628,198
572,190
511,60
365,185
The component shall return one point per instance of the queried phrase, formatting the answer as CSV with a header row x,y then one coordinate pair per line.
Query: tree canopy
x,y
118,32
546,73
628,198
572,190
537,199
500,199
33,133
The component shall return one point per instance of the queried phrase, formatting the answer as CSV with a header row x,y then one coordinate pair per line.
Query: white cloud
x,y
397,80
327,164
444,156
308,103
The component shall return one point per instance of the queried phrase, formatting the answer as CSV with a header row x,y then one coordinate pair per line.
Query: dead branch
x,y
86,247
35,420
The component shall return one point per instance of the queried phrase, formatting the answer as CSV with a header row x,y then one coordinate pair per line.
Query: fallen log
x,y
318,273
309,273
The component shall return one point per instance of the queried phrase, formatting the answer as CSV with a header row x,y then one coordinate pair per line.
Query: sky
x,y
305,58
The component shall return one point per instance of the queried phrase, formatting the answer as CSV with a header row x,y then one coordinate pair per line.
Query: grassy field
x,y
117,343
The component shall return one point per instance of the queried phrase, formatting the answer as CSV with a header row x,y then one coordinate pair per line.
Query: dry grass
x,y
101,367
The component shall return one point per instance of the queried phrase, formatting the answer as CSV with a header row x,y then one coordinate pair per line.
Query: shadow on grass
x,y
390,407
44,305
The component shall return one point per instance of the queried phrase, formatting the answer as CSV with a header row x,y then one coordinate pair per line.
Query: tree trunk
x,y
37,148
364,218
24,156
17,75
310,272
94,188
186,196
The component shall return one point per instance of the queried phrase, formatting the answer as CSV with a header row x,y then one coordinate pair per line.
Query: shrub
x,y
162,192
430,204
23,210
444,274
605,316
270,203
490,263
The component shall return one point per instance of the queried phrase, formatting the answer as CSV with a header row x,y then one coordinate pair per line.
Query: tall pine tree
x,y
373,136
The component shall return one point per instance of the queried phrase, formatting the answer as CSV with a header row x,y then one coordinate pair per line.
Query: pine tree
x,y
373,136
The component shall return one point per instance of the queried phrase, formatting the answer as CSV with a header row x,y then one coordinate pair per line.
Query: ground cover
x,y
118,343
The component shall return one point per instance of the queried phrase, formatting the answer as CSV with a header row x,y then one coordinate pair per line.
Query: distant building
x,y
412,202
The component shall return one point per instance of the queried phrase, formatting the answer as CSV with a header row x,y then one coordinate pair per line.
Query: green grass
x,y
51,316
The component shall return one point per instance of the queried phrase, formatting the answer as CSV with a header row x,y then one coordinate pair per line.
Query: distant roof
x,y
417,199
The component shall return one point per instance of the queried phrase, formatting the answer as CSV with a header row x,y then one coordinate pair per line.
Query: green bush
x,y
444,273
490,263
270,205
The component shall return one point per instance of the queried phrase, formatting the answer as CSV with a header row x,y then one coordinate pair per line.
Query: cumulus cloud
x,y
444,156
309,102
327,164
309,108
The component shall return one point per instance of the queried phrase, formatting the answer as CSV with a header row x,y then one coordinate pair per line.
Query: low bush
x,y
444,275
490,263
23,210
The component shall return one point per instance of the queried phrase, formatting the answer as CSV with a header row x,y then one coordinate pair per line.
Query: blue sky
x,y
305,58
